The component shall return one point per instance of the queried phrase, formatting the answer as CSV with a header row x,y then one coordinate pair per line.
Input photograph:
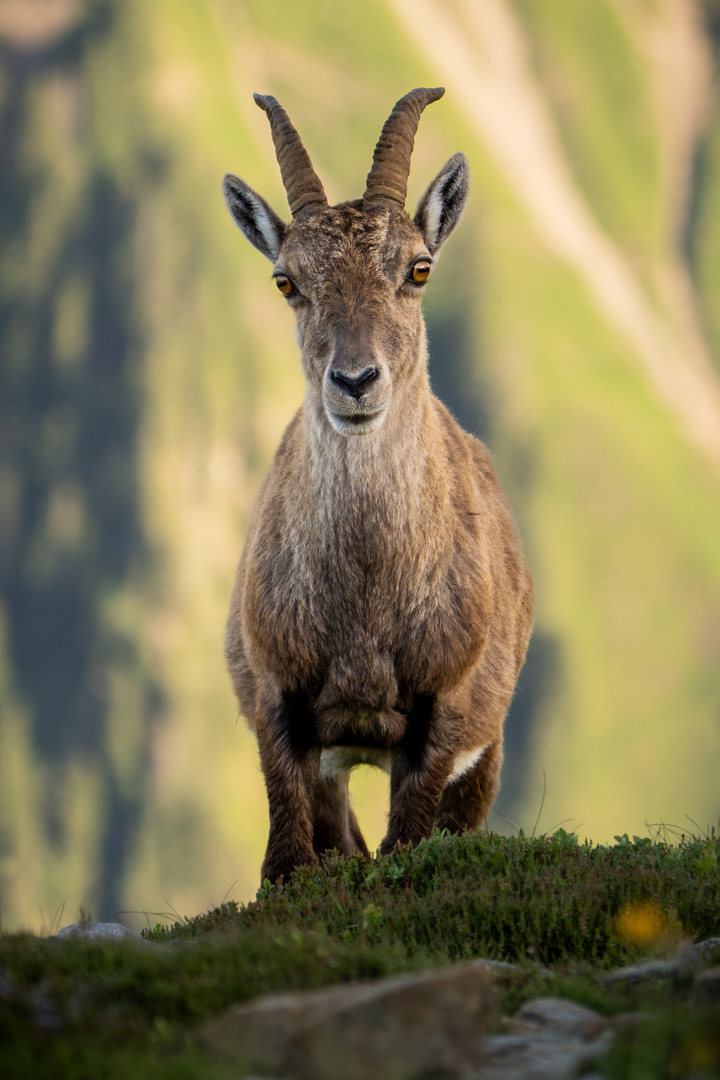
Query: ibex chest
x,y
363,618
365,579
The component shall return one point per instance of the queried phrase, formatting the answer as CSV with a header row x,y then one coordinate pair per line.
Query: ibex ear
x,y
442,204
260,224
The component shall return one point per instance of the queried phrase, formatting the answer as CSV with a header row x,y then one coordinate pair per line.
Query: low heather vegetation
x,y
550,899
564,912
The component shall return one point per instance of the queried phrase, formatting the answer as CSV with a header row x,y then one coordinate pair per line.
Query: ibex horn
x,y
388,177
300,179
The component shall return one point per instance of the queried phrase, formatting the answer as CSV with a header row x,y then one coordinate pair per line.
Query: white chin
x,y
357,424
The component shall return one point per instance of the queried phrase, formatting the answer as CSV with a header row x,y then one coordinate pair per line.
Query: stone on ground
x,y
551,1039
102,931
399,1029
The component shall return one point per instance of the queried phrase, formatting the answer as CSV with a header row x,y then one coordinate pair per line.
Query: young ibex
x,y
382,608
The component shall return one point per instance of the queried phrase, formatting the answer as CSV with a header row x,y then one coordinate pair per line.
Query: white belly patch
x,y
465,761
340,759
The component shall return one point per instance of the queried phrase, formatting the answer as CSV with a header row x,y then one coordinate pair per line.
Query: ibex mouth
x,y
360,419
357,422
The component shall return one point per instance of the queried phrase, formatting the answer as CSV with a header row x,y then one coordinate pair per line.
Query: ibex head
x,y
354,273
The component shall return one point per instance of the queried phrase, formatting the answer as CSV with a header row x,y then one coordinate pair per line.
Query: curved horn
x,y
298,176
388,176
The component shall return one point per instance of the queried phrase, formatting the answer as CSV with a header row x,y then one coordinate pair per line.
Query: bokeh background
x,y
148,368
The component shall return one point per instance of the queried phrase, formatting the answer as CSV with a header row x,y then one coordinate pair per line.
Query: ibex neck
x,y
371,492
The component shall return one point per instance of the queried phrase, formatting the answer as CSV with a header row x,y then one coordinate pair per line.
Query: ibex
x,y
382,607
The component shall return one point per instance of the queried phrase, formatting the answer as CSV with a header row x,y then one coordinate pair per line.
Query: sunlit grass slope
x,y
560,912
619,515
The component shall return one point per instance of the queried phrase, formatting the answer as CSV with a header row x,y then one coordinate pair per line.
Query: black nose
x,y
355,385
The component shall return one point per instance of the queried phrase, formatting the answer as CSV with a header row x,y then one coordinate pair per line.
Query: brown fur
x,y
382,602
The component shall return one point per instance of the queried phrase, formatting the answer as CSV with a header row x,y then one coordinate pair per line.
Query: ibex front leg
x,y
291,765
420,768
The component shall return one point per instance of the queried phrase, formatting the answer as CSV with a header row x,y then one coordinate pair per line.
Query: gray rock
x,y
540,1056
709,947
398,1029
563,1017
102,931
551,1039
650,969
688,959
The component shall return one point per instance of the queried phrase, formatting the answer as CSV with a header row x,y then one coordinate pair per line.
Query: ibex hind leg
x,y
335,824
465,803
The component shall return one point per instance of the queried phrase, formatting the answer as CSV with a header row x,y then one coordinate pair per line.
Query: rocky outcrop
x,y
398,1028
549,1039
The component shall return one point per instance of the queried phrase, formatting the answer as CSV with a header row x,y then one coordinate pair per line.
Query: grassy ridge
x,y
562,910
508,898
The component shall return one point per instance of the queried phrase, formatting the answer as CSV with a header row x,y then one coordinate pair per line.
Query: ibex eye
x,y
421,270
285,285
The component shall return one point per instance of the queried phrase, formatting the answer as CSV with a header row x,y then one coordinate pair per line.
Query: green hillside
x,y
148,369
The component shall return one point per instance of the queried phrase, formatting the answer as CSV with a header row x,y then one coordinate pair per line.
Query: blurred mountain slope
x,y
149,368
554,93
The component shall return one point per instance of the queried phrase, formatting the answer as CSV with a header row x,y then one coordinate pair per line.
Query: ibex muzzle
x,y
357,386
382,607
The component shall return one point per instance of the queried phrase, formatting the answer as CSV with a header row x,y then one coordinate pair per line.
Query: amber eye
x,y
421,270
285,285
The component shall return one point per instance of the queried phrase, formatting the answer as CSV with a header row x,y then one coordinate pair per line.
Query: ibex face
x,y
354,278
354,273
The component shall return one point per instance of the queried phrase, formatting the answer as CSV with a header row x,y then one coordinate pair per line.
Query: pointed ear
x,y
442,204
260,224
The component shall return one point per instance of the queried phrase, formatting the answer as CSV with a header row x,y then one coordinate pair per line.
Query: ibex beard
x,y
382,607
